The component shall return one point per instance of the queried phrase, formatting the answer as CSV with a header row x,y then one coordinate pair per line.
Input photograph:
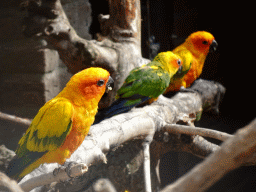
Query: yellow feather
x,y
165,58
153,67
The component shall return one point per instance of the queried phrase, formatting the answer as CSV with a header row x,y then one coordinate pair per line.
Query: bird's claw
x,y
57,170
69,167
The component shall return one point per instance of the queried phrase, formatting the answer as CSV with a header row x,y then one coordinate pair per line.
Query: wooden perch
x,y
15,119
58,174
184,129
138,124
233,153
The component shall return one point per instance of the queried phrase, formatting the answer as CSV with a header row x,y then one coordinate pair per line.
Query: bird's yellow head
x,y
201,42
170,61
91,82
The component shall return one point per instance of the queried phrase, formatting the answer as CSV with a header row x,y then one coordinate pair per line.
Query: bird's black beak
x,y
110,84
213,46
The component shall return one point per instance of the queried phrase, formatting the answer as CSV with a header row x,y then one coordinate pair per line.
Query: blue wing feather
x,y
118,107
18,164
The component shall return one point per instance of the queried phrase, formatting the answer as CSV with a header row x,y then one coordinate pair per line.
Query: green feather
x,y
145,81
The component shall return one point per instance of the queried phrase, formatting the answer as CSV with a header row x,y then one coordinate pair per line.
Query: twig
x,y
146,163
15,119
191,130
202,148
233,153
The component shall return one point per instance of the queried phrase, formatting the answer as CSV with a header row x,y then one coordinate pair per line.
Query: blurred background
x,y
32,73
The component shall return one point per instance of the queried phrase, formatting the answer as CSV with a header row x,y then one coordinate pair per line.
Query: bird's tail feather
x,y
18,164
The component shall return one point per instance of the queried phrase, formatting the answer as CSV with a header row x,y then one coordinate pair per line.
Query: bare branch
x,y
15,119
6,184
201,147
190,130
59,174
146,163
232,154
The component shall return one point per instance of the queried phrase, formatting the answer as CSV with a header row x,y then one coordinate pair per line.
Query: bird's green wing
x,y
146,81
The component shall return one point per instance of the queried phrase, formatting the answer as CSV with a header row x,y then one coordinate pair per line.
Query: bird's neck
x,y
198,55
78,99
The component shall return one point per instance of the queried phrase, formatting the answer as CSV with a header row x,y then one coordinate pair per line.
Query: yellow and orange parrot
x,y
193,53
61,124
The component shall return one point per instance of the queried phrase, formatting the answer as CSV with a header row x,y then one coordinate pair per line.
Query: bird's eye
x,y
205,42
100,82
179,62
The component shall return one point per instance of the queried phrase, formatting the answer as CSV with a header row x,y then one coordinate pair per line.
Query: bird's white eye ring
x,y
179,62
100,82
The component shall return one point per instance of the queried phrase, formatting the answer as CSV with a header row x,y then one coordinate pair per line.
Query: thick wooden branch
x,y
118,49
57,175
138,124
233,153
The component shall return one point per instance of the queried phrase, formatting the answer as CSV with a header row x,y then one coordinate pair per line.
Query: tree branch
x,y
233,153
190,130
6,184
12,118
59,174
146,162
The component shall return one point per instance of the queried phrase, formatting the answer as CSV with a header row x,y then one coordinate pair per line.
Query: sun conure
x,y
144,84
61,124
193,53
